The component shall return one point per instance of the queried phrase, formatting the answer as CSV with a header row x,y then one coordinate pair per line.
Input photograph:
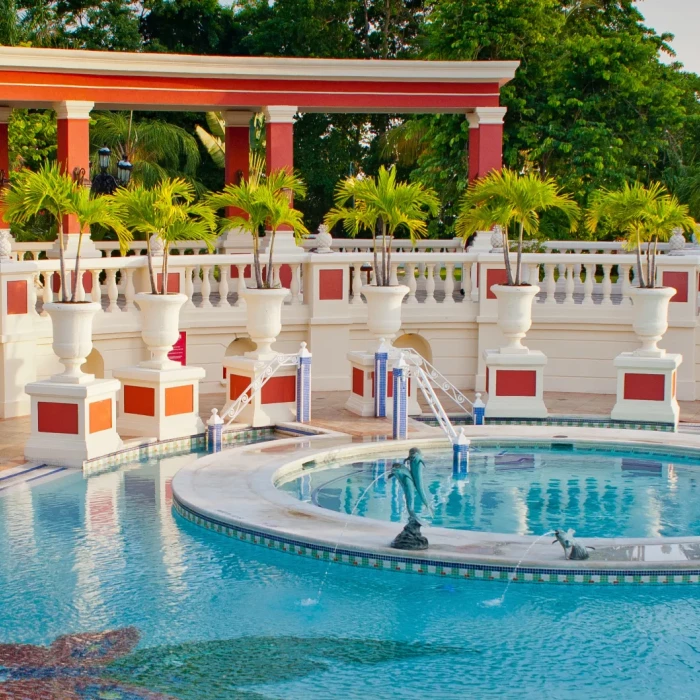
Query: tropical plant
x,y
383,206
169,212
644,215
512,200
214,140
157,149
52,193
260,199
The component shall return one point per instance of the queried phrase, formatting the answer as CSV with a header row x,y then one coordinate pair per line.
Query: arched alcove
x,y
94,364
416,342
240,346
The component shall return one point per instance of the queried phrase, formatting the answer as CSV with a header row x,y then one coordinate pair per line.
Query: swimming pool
x,y
527,490
196,615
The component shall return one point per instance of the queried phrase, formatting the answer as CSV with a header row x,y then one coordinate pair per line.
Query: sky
x,y
681,18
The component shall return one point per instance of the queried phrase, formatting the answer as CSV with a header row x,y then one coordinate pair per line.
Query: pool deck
x,y
328,412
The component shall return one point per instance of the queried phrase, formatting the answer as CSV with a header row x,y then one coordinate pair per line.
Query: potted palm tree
x,y
514,202
645,215
258,201
53,192
385,207
169,212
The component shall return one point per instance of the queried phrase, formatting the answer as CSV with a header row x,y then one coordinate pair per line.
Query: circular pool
x,y
598,491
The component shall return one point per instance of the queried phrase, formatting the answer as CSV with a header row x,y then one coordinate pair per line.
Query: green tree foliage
x,y
32,138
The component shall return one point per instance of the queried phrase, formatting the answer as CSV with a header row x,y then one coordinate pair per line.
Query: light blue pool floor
x,y
194,615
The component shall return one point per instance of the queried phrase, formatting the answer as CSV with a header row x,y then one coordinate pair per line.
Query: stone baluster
x,y
33,295
589,271
112,292
206,287
449,283
129,289
569,285
295,285
223,287
430,284
79,286
550,284
356,283
189,288
625,286
607,286
467,280
533,273
410,282
96,293
47,292
240,287
394,274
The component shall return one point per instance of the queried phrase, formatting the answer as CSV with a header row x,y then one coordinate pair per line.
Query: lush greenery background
x,y
592,104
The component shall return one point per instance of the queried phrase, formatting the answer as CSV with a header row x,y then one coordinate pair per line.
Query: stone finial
x,y
478,403
6,241
676,244
462,439
324,240
303,350
157,246
497,239
215,418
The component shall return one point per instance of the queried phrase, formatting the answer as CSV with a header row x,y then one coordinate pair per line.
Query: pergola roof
x,y
32,77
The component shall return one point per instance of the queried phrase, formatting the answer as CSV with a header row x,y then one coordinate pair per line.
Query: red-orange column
x,y
237,149
73,144
279,136
485,140
4,153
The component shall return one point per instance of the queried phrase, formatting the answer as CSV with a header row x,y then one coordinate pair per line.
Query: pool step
x,y
27,473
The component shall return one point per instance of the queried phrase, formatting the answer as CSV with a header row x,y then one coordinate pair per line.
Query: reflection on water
x,y
524,492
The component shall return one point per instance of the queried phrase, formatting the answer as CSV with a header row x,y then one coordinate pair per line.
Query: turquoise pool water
x,y
527,491
154,607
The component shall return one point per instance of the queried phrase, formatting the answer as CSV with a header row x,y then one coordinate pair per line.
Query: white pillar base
x,y
515,384
361,401
159,403
236,240
274,403
285,243
70,249
646,388
72,423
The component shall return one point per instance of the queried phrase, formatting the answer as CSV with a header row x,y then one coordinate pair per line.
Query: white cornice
x,y
489,115
238,118
73,109
280,114
152,64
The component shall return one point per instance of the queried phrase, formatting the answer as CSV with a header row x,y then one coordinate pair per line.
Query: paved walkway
x,y
328,411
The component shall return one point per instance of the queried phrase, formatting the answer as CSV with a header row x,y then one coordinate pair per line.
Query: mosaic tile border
x,y
169,447
574,422
466,571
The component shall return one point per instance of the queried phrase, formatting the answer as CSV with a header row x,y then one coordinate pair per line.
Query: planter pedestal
x,y
361,401
646,388
274,403
515,383
159,403
72,422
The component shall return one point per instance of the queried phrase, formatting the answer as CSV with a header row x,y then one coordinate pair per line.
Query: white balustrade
x,y
223,287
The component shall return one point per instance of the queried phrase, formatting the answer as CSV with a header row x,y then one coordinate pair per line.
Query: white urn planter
x,y
264,319
384,309
650,318
160,326
514,314
72,338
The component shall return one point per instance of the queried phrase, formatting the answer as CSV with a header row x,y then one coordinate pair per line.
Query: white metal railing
x,y
434,403
416,360
278,361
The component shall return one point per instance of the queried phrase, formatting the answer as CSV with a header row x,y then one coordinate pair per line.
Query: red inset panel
x,y
237,385
100,415
390,384
678,280
179,350
179,400
280,390
330,284
234,272
358,381
58,417
173,282
56,282
284,275
495,275
516,382
139,400
644,387
17,297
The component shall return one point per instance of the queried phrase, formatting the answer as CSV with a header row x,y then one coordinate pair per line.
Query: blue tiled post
x,y
479,407
460,455
381,359
400,418
215,426
304,385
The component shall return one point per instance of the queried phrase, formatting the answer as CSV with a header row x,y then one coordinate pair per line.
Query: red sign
x,y
179,351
